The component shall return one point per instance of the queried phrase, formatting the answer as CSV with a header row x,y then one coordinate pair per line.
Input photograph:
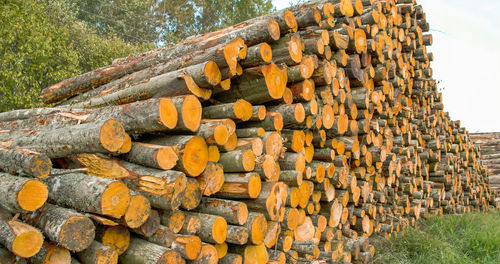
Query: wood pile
x,y
490,155
288,138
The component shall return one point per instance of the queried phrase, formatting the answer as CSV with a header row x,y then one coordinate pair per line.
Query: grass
x,y
468,238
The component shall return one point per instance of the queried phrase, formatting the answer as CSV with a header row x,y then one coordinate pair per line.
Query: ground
x,y
467,238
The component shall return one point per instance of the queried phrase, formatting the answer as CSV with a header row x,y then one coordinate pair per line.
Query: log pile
x,y
490,155
287,138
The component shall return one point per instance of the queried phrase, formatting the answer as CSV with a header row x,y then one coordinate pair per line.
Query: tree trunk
x,y
24,162
234,212
240,186
89,194
21,194
142,251
21,239
50,253
213,228
192,152
98,253
101,137
64,227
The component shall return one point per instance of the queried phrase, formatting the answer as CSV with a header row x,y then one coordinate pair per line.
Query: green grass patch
x,y
467,238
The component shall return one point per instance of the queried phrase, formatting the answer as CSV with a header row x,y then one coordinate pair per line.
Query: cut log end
x,y
221,135
299,113
212,73
191,113
266,53
219,230
137,212
213,153
248,160
167,113
195,156
295,48
243,110
28,242
261,115
276,79
117,238
56,254
290,21
254,186
166,158
274,29
77,233
115,200
112,135
32,195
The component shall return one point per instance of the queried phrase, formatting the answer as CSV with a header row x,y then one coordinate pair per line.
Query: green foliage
x,y
43,43
165,21
186,18
131,20
468,238
34,53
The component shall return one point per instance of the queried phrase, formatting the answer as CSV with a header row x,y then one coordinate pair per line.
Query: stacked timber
x,y
287,138
490,155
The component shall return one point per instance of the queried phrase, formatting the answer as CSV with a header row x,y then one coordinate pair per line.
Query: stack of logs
x,y
490,155
290,137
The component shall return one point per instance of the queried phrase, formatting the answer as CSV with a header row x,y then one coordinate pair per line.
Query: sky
x,y
466,49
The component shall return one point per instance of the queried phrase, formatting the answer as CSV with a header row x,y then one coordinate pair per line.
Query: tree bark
x,y
19,238
101,137
98,253
89,194
142,251
19,194
64,227
24,162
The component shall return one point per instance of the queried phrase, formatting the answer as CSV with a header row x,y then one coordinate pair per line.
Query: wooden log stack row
x,y
287,138
490,155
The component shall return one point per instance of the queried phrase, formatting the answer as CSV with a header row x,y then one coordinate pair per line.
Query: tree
x,y
182,18
165,21
131,20
42,43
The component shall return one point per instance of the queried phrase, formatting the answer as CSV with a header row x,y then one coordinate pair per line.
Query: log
x,y
192,152
138,210
257,228
142,251
258,85
208,254
240,109
21,194
50,253
115,237
24,162
89,194
213,228
188,246
155,156
62,226
163,237
237,161
149,227
192,195
98,253
234,212
101,137
271,200
19,238
181,82
242,185
212,179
